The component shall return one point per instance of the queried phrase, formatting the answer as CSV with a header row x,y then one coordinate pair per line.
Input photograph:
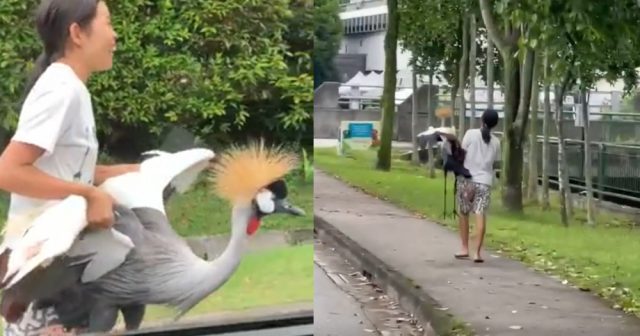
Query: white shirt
x,y
57,116
480,156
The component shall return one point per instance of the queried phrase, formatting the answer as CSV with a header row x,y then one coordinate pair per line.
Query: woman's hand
x,y
100,209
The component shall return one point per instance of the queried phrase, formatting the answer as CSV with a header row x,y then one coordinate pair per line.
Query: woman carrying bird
x,y
482,150
54,151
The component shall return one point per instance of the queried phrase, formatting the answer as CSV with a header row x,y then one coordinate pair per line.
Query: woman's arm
x,y
18,175
103,172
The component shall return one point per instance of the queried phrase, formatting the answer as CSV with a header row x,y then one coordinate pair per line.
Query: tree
x,y
327,36
589,40
532,183
472,68
516,107
546,121
389,91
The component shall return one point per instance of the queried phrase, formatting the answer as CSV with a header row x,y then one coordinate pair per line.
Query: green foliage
x,y
328,33
436,41
307,167
221,69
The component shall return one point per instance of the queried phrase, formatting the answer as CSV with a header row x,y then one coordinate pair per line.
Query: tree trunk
x,y
462,74
546,121
514,122
472,70
587,159
430,113
490,71
414,118
389,91
454,95
519,126
532,184
562,191
513,155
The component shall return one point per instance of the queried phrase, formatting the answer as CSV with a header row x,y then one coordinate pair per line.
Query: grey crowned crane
x,y
142,260
79,310
452,156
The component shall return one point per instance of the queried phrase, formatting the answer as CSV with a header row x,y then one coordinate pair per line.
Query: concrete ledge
x,y
410,296
210,247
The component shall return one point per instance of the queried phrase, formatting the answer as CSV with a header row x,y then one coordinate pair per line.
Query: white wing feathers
x,y
55,231
143,189
181,168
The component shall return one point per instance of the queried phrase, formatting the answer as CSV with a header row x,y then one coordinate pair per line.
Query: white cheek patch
x,y
265,202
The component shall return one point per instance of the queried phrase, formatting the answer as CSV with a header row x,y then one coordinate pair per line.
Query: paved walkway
x,y
499,297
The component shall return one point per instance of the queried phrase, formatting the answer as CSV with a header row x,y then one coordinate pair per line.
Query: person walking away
x,y
53,153
474,194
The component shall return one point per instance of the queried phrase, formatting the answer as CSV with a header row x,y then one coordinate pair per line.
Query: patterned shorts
x,y
34,322
472,197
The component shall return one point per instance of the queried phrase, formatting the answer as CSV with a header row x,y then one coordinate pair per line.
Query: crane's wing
x,y
180,168
144,188
101,250
54,233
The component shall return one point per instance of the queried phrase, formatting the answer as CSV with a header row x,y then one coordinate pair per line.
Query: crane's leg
x,y
444,211
103,318
133,315
454,214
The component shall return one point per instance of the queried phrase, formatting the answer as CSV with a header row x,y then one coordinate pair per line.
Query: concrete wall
x,y
326,95
326,121
348,65
372,45
327,116
403,124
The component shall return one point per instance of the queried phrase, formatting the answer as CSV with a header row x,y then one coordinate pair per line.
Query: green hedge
x,y
224,70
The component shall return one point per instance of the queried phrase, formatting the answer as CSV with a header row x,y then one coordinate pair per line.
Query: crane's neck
x,y
213,274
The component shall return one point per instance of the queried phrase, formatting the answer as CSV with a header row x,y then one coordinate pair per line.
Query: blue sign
x,y
360,130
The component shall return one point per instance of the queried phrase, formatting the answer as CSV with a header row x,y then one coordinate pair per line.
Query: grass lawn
x,y
603,259
272,277
200,212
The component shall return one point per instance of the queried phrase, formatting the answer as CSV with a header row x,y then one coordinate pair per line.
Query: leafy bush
x,y
221,69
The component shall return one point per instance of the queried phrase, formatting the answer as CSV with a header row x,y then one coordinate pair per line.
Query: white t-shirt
x,y
480,156
57,116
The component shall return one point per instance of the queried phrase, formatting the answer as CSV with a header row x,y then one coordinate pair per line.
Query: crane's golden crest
x,y
240,172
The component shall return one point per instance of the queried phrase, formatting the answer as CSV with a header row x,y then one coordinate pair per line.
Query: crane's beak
x,y
283,206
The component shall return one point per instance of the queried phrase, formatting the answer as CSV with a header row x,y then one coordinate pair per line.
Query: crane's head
x,y
272,199
252,178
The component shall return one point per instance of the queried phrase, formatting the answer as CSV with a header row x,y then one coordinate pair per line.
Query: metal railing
x,y
615,169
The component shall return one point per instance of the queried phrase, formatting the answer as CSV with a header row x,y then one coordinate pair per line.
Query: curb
x,y
411,297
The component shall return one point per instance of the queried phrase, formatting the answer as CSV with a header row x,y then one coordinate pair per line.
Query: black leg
x,y
444,211
133,316
103,318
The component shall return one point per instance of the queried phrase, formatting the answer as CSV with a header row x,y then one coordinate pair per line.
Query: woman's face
x,y
99,41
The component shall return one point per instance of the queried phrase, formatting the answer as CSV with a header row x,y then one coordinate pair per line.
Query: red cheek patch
x,y
254,224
